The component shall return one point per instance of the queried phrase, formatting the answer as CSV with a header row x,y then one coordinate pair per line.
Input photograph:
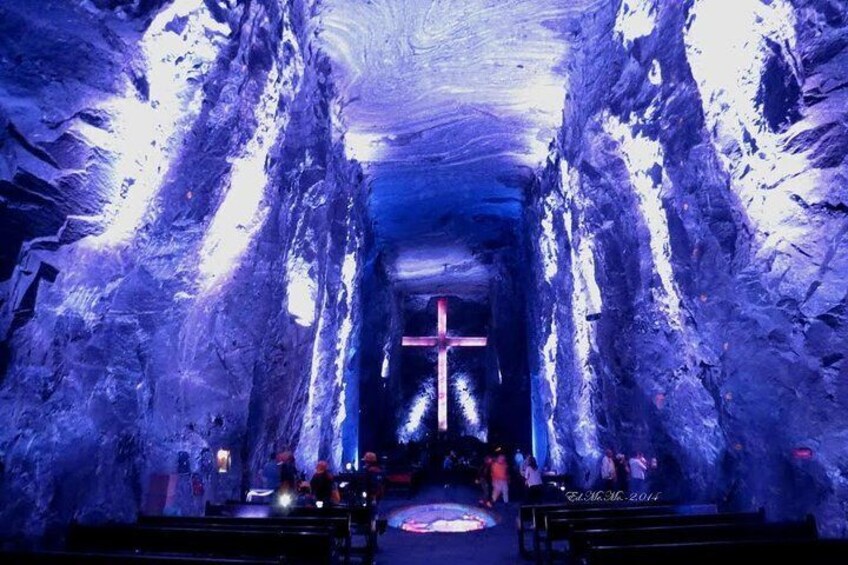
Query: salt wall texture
x,y
688,234
181,246
184,254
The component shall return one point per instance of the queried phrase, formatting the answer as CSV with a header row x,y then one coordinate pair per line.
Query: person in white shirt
x,y
533,480
608,473
638,470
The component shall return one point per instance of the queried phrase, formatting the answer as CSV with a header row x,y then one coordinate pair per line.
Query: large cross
x,y
442,341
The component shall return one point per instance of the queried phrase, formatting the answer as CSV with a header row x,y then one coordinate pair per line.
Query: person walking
x,y
608,472
500,479
638,470
484,479
519,460
533,480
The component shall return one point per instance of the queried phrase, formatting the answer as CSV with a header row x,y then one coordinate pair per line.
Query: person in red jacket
x,y
500,479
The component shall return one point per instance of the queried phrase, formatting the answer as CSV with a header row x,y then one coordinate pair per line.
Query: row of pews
x,y
224,535
666,535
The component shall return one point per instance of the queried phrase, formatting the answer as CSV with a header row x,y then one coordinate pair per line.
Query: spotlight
x,y
348,466
364,494
343,484
319,504
285,500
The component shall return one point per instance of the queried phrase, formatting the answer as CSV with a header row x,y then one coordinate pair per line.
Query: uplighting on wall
x,y
803,453
223,460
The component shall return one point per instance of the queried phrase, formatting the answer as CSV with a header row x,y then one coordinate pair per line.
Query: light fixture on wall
x,y
802,453
223,460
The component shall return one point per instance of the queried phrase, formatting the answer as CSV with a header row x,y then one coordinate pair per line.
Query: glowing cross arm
x,y
420,341
467,341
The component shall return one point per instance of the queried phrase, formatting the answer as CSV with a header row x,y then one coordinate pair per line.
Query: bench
x,y
301,545
531,518
339,525
363,519
807,552
561,529
89,558
581,541
537,516
526,523
401,481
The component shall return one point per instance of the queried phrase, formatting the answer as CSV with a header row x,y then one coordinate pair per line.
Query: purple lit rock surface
x,y
189,241
214,216
688,236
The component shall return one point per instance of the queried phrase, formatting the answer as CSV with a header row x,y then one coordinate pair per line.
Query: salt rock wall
x,y
688,234
181,247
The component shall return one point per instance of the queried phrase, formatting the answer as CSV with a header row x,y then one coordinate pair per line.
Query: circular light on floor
x,y
443,517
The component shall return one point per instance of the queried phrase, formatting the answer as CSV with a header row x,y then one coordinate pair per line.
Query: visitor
x,y
373,477
622,472
271,473
533,480
500,479
638,470
651,476
449,468
322,484
304,498
608,472
288,473
484,479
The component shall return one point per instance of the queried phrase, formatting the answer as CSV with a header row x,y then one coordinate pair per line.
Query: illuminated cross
x,y
442,341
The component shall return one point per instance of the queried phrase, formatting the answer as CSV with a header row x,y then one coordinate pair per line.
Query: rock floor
x,y
492,546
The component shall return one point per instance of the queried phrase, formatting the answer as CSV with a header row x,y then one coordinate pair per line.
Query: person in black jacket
x,y
484,479
322,483
373,475
288,473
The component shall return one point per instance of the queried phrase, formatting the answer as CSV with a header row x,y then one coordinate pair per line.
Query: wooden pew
x,y
581,541
340,526
88,558
806,552
560,529
364,522
314,545
526,522
531,518
538,516
363,519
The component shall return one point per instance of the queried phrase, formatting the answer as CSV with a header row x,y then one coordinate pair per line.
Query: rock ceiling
x,y
450,105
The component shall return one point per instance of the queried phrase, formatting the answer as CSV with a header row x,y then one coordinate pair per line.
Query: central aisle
x,y
492,546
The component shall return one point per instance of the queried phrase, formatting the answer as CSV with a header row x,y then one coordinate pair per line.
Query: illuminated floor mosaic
x,y
441,517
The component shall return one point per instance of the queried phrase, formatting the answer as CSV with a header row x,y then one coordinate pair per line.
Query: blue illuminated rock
x,y
161,205
700,155
211,213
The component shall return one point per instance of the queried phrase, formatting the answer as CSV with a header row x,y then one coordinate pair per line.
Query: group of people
x,y
494,475
280,474
621,474
494,478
